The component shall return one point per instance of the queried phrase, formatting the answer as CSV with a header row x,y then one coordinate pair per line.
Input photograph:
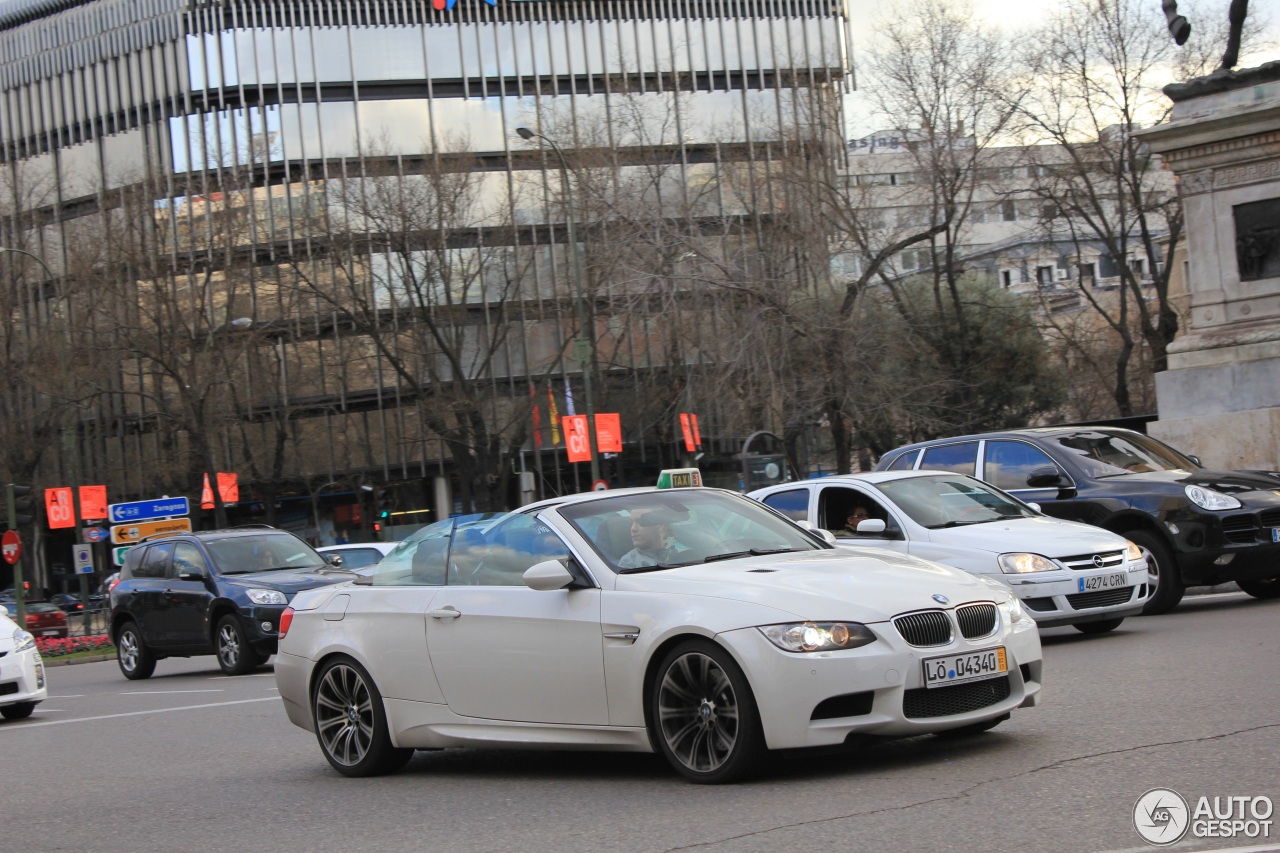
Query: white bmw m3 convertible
x,y
693,622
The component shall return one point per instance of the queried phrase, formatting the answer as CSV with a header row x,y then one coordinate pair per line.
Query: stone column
x,y
1220,397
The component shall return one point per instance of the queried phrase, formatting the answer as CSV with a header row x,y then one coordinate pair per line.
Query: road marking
x,y
23,726
69,696
164,692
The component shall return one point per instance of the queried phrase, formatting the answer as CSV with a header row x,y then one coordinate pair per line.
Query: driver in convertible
x,y
654,544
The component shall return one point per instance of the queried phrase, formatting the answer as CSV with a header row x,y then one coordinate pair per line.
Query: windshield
x,y
679,527
242,555
1103,454
952,501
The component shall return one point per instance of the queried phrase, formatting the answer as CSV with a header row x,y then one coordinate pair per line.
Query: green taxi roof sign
x,y
679,478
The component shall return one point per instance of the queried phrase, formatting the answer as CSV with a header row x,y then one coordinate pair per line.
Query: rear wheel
x,y
351,724
1261,587
1165,585
235,655
1100,627
135,659
702,715
19,711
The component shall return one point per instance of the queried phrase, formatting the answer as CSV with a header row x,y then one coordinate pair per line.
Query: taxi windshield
x,y
679,527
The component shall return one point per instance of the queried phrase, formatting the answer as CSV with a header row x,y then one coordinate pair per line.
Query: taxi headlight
x,y
818,636
1021,564
1133,554
267,596
23,640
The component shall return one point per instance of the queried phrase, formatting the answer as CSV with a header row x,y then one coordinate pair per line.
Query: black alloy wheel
x,y
351,724
235,655
1261,587
1102,626
702,715
1163,581
135,659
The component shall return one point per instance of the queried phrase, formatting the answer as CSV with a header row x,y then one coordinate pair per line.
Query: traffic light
x,y
22,507
385,501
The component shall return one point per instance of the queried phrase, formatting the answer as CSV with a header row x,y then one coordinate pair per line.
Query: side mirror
x,y
1044,478
1035,506
1195,459
333,559
547,575
871,525
825,535
800,522
190,575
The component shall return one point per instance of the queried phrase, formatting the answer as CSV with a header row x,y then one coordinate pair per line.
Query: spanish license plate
x,y
1275,534
48,633
972,666
1097,582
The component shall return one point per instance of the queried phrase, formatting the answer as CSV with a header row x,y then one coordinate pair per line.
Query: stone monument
x,y
1220,397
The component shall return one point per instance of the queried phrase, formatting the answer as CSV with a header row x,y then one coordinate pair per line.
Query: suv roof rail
x,y
252,527
162,535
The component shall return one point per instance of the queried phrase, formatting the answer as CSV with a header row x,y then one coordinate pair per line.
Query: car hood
x,y
866,585
1260,485
1047,536
289,582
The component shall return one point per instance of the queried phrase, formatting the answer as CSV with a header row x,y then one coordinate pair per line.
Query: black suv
x,y
214,592
1197,527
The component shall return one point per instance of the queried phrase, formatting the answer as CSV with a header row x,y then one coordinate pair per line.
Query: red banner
x,y
697,436
553,415
537,417
59,508
609,432
93,503
228,488
687,431
576,439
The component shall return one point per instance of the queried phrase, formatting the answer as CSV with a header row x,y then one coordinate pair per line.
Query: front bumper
x,y
1063,598
22,678
824,699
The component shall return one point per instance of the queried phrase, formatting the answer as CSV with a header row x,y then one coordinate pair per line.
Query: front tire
x,y
1162,574
1100,627
135,659
702,715
18,711
1263,588
235,655
351,724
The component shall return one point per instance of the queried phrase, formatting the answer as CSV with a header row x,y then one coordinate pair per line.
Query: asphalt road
x,y
193,761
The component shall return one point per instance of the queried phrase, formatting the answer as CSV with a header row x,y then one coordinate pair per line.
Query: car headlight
x,y
818,636
1014,614
1021,564
23,640
1209,499
267,596
1133,554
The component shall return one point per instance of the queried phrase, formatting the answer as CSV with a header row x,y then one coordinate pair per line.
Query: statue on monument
x,y
1180,28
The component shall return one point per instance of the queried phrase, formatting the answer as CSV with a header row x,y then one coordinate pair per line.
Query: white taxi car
x,y
693,622
22,678
1064,572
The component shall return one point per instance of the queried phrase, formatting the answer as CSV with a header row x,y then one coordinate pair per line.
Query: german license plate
x,y
972,666
1097,582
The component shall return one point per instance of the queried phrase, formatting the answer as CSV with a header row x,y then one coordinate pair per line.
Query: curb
x,y
89,659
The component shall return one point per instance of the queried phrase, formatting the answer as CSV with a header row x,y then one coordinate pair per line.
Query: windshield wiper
x,y
751,552
635,570
959,524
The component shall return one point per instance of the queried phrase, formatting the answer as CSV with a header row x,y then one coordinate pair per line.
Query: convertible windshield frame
x,y
683,527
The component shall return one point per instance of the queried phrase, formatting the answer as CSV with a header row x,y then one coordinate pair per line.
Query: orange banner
x,y
609,432
687,431
59,508
575,437
228,489
697,436
93,503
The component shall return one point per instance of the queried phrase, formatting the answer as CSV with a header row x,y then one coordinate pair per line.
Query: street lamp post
x,y
580,301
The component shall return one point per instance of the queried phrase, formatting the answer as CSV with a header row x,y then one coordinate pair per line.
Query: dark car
x,y
70,602
1197,527
43,619
218,592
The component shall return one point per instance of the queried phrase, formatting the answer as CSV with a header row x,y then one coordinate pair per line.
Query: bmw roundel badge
x,y
941,599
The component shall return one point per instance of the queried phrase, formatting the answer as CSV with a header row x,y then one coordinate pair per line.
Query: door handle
x,y
445,613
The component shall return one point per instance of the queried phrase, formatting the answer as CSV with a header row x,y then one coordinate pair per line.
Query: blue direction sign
x,y
142,510
95,534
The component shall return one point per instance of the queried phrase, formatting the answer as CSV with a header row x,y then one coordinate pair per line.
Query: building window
x,y
1044,276
1086,271
1006,278
1009,211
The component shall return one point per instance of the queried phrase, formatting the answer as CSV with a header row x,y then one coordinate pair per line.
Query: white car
x,y
358,556
1064,572
692,621
22,677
